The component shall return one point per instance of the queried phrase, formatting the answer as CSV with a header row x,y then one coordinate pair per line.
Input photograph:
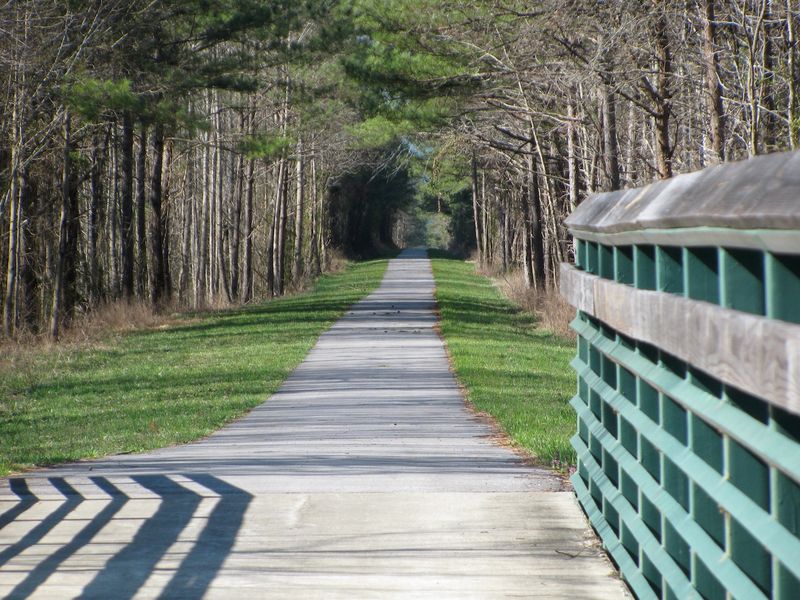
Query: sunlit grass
x,y
156,388
513,370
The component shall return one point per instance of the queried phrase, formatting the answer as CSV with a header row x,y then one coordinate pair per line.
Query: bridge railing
x,y
688,379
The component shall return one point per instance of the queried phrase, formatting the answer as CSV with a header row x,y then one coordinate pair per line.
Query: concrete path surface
x,y
364,477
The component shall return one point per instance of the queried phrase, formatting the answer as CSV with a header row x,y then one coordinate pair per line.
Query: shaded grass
x,y
156,388
512,369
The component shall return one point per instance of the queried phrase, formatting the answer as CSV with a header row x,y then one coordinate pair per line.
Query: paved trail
x,y
363,477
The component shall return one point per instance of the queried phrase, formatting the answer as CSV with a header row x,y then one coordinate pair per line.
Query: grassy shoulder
x,y
156,388
513,370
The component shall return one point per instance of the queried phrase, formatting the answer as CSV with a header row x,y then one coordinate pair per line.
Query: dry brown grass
x,y
96,327
117,317
335,261
557,314
28,353
107,320
553,312
89,329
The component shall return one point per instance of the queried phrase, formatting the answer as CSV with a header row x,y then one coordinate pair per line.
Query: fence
x,y
688,379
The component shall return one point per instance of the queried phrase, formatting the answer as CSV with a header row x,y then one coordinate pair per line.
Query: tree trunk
x,y
187,253
113,247
314,233
527,259
71,270
61,259
270,257
505,232
476,217
572,160
753,89
611,148
282,191
222,281
92,231
324,227
30,238
236,227
126,205
201,233
663,96
297,261
280,231
767,92
793,76
91,239
10,308
221,233
141,231
484,204
166,219
537,229
157,272
247,270
713,86
213,216
609,120
631,175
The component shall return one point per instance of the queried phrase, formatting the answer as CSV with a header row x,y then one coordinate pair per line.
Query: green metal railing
x,y
692,483
752,281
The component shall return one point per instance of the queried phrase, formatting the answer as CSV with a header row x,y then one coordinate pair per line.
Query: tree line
x,y
165,151
218,151
553,101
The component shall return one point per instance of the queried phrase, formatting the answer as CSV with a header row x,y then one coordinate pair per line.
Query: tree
x,y
234,143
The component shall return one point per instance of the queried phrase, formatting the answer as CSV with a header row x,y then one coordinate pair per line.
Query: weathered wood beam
x,y
758,355
761,193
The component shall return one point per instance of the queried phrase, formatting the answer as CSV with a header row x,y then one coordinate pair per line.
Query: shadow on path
x,y
26,499
127,571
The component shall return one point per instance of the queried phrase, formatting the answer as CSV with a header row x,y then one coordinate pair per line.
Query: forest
x,y
207,153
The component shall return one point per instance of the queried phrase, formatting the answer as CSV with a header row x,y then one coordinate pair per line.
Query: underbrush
x,y
554,313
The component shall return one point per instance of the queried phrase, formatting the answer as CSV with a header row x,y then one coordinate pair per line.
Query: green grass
x,y
157,388
513,370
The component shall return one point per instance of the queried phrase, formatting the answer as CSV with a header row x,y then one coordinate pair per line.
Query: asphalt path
x,y
364,476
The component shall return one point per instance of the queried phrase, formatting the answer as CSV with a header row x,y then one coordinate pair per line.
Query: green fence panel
x,y
692,482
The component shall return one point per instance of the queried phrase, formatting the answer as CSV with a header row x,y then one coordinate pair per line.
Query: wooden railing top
x,y
761,193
